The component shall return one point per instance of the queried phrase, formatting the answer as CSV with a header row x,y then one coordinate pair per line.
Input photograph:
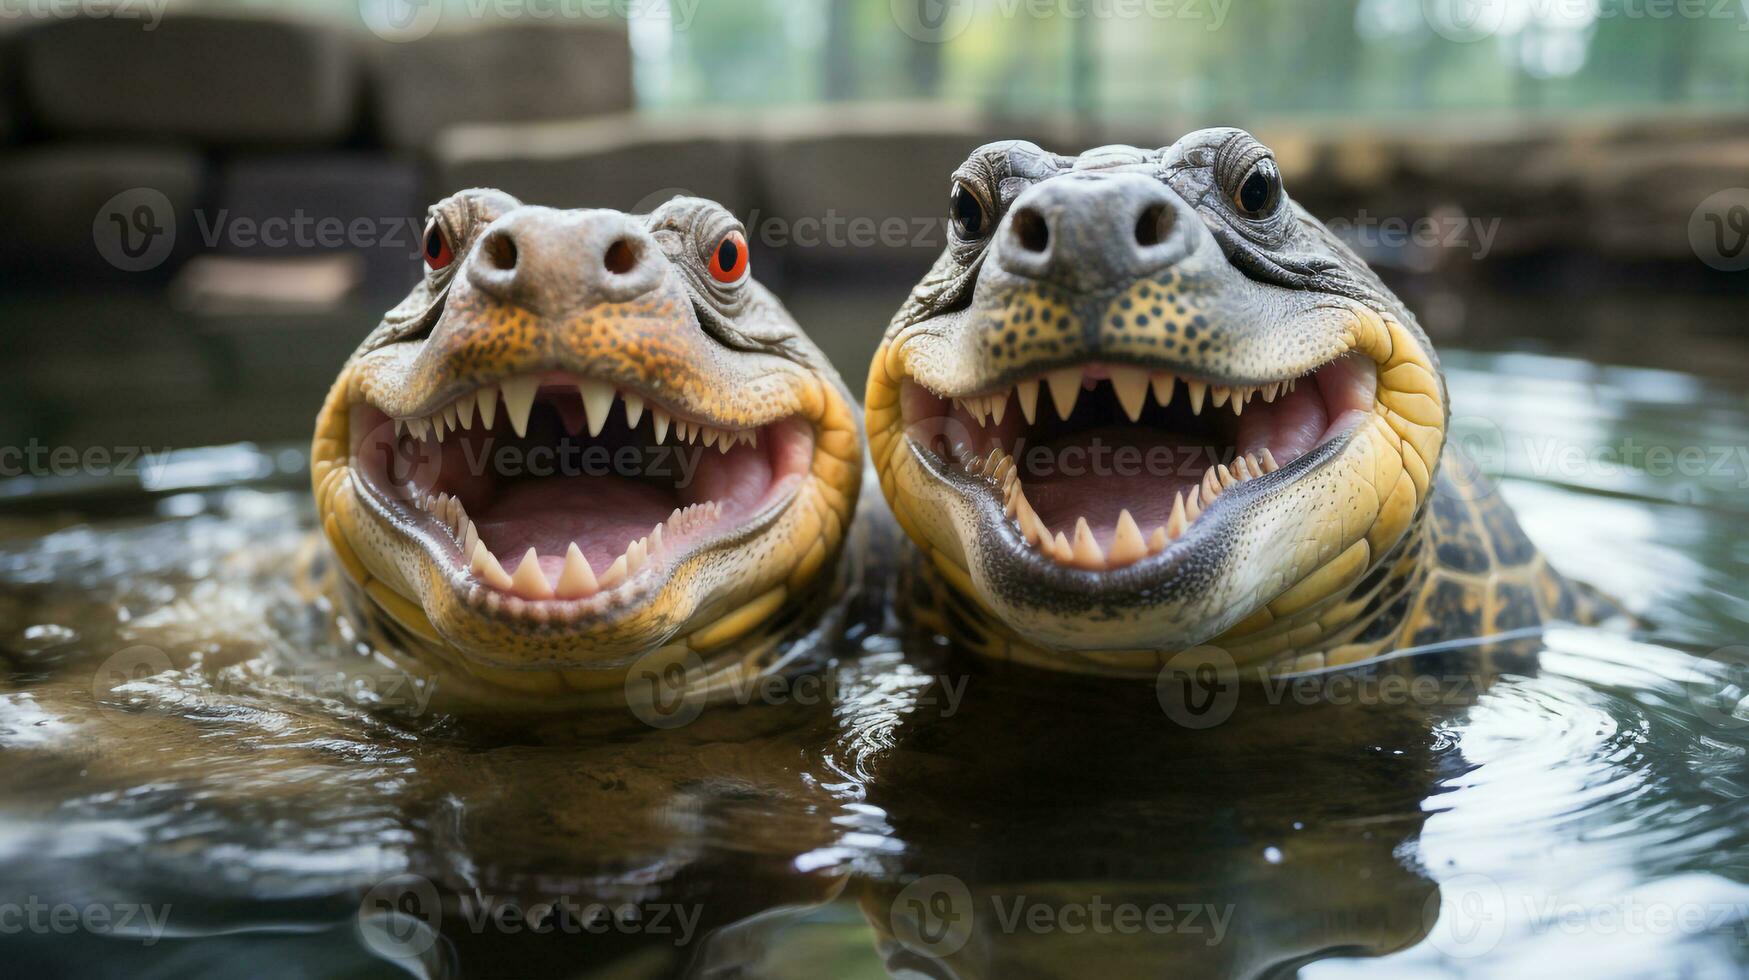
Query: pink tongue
x,y
1099,473
605,513
1289,428
602,514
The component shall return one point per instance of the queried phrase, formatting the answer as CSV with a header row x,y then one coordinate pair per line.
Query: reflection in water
x,y
202,771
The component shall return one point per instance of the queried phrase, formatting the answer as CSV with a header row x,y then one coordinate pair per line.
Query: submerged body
x,y
1144,403
648,468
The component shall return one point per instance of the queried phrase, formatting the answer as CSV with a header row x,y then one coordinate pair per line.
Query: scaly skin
x,y
725,355
1330,559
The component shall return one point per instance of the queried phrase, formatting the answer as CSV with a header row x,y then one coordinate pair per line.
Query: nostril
x,y
499,251
621,257
1031,231
1153,225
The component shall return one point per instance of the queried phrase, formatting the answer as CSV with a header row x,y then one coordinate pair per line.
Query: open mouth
x,y
1099,466
554,488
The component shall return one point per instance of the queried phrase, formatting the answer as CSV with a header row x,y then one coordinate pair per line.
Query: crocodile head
x,y
1144,401
584,436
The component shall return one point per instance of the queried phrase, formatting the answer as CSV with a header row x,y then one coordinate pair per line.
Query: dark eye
x,y
1259,190
438,254
969,219
729,261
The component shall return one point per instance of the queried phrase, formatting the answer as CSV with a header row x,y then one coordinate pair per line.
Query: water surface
x,y
202,774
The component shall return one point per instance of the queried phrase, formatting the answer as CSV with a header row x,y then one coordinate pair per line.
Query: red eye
x,y
729,261
437,251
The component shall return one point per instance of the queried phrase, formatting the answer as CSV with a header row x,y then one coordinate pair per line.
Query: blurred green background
x,y
1562,175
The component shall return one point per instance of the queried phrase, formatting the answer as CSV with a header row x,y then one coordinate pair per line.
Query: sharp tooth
x,y
528,581
1065,385
597,402
656,539
421,428
1269,391
1220,395
1061,550
400,426
449,418
1127,544
634,407
636,554
1131,385
1026,393
518,399
576,579
684,431
1226,476
1010,505
470,537
710,436
1269,464
1157,540
1192,505
1087,551
485,565
615,574
1239,395
998,407
1176,523
464,411
975,408
487,399
1242,469
1211,486
1197,390
437,425
659,421
1163,384
753,438
725,440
